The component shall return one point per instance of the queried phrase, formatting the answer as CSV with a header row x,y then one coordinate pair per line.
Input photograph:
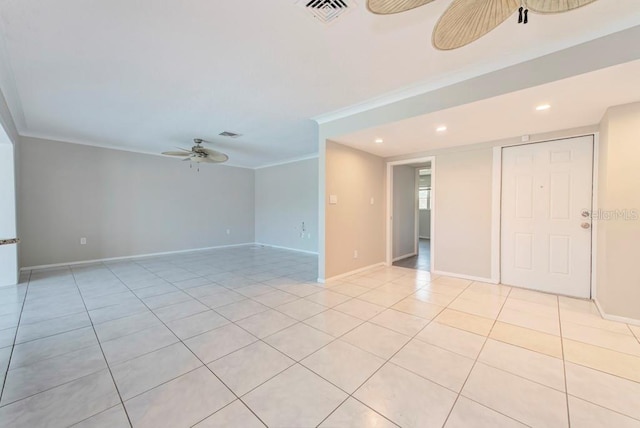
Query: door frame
x,y
496,206
389,211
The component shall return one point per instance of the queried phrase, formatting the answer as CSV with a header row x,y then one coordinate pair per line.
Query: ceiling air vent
x,y
327,10
229,134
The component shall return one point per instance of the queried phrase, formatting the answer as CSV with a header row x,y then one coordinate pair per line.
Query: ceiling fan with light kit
x,y
198,154
465,21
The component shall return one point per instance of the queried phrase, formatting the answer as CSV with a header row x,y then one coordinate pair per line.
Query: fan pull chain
x,y
523,13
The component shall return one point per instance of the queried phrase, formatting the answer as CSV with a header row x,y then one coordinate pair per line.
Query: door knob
x,y
585,225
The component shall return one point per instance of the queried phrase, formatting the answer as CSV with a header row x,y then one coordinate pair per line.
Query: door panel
x,y
545,188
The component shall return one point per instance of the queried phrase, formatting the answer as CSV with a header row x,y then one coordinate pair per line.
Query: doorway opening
x,y
410,191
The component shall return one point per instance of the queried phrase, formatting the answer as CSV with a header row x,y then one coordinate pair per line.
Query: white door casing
x,y
547,191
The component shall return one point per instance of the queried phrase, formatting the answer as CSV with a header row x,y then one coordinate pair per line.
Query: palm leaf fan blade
x,y
467,20
215,156
176,153
556,6
388,7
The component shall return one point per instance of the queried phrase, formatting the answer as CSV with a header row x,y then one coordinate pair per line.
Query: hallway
x,y
420,262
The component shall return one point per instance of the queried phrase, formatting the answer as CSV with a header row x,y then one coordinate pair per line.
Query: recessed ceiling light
x,y
379,141
441,128
543,107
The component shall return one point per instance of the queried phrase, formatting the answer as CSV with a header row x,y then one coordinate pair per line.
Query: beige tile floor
x,y
244,337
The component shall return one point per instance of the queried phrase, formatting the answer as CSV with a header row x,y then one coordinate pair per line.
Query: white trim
x,y
606,316
137,256
424,237
291,160
416,211
594,224
449,80
432,217
496,214
595,139
39,136
389,212
462,276
406,256
29,134
297,250
353,272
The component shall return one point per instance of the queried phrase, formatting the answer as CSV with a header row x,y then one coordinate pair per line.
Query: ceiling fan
x,y
199,154
467,20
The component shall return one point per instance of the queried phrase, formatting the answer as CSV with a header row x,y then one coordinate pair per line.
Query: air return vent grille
x,y
229,134
327,11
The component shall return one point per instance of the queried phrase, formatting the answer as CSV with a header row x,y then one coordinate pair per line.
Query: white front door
x,y
546,205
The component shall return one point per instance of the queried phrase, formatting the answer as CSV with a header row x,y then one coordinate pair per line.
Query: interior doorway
x,y
410,191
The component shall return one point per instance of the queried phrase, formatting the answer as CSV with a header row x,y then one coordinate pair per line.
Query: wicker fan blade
x,y
215,156
388,7
176,153
555,6
210,160
467,20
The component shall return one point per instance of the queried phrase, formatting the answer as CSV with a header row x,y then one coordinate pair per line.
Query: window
x,y
424,198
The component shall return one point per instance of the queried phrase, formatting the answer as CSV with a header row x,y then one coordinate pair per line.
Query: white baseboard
x,y
353,272
406,256
424,237
606,316
287,248
461,276
137,256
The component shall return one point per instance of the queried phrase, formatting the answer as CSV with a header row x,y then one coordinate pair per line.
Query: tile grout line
x,y
475,362
193,353
388,361
295,362
101,350
564,364
15,336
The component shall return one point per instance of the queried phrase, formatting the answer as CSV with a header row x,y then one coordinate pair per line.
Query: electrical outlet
x,y
355,254
228,231
309,235
83,241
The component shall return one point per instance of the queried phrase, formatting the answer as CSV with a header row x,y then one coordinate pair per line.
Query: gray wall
x,y
404,211
463,213
287,196
618,243
354,223
125,203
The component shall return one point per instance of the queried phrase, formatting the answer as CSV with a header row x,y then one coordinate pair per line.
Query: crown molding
x,y
286,161
40,136
466,73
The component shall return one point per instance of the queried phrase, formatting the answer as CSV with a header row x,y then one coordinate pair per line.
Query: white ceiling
x,y
147,75
577,101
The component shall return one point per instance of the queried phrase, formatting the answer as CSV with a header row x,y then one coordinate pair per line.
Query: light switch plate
x,y
333,199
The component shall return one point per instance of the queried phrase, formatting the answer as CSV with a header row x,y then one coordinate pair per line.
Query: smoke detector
x,y
327,11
